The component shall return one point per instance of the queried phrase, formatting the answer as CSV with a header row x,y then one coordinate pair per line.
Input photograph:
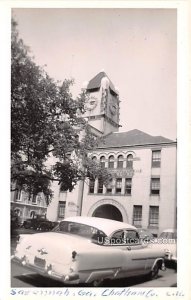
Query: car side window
x,y
117,238
132,237
125,237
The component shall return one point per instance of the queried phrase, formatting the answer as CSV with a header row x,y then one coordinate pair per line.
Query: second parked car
x,y
168,241
39,222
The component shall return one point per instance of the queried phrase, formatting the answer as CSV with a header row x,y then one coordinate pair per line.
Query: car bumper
x,y
169,257
71,278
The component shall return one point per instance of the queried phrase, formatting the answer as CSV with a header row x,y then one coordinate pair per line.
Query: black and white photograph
x,y
93,150
93,147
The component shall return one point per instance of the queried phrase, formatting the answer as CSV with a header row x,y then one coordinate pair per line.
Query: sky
x,y
137,48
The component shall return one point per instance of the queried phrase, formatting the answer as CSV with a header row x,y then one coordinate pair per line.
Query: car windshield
x,y
79,229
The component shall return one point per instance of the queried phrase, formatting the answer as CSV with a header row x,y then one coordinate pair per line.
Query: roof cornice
x,y
150,145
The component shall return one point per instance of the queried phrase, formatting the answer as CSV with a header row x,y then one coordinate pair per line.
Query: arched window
x,y
120,161
130,161
102,161
32,214
111,162
94,158
17,212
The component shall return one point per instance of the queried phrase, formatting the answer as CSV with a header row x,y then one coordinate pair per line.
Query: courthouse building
x,y
143,189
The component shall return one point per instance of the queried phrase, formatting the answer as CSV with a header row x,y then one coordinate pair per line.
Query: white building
x,y
26,207
143,189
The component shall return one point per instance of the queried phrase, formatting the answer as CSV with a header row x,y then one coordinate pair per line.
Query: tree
x,y
50,141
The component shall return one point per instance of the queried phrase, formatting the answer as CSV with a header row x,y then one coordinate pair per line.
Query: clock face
x,y
113,106
91,103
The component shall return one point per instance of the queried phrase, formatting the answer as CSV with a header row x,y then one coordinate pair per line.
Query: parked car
x,y
145,234
38,222
168,241
89,250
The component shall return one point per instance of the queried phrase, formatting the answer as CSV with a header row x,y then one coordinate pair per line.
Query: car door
x,y
133,251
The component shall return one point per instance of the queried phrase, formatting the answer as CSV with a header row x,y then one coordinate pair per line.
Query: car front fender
x,y
160,262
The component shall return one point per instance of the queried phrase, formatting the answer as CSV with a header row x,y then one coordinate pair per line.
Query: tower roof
x,y
95,82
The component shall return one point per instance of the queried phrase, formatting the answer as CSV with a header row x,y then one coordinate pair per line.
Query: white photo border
x,y
183,138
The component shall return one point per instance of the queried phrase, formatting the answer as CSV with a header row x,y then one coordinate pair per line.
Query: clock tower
x,y
102,106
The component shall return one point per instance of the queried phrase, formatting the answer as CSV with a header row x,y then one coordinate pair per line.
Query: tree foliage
x,y
50,140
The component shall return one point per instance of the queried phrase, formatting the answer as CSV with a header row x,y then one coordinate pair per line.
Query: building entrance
x,y
108,211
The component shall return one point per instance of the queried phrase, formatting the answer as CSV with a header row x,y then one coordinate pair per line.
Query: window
x,y
34,199
124,237
40,198
18,195
130,161
109,187
117,238
155,186
100,186
82,230
153,216
26,197
156,158
118,185
120,161
102,161
111,162
137,215
17,212
91,185
128,185
61,209
32,214
132,237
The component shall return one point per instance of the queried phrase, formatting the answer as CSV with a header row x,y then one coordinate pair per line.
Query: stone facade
x,y
143,189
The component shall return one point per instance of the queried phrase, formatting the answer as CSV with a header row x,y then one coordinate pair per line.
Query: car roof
x,y
106,225
169,230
